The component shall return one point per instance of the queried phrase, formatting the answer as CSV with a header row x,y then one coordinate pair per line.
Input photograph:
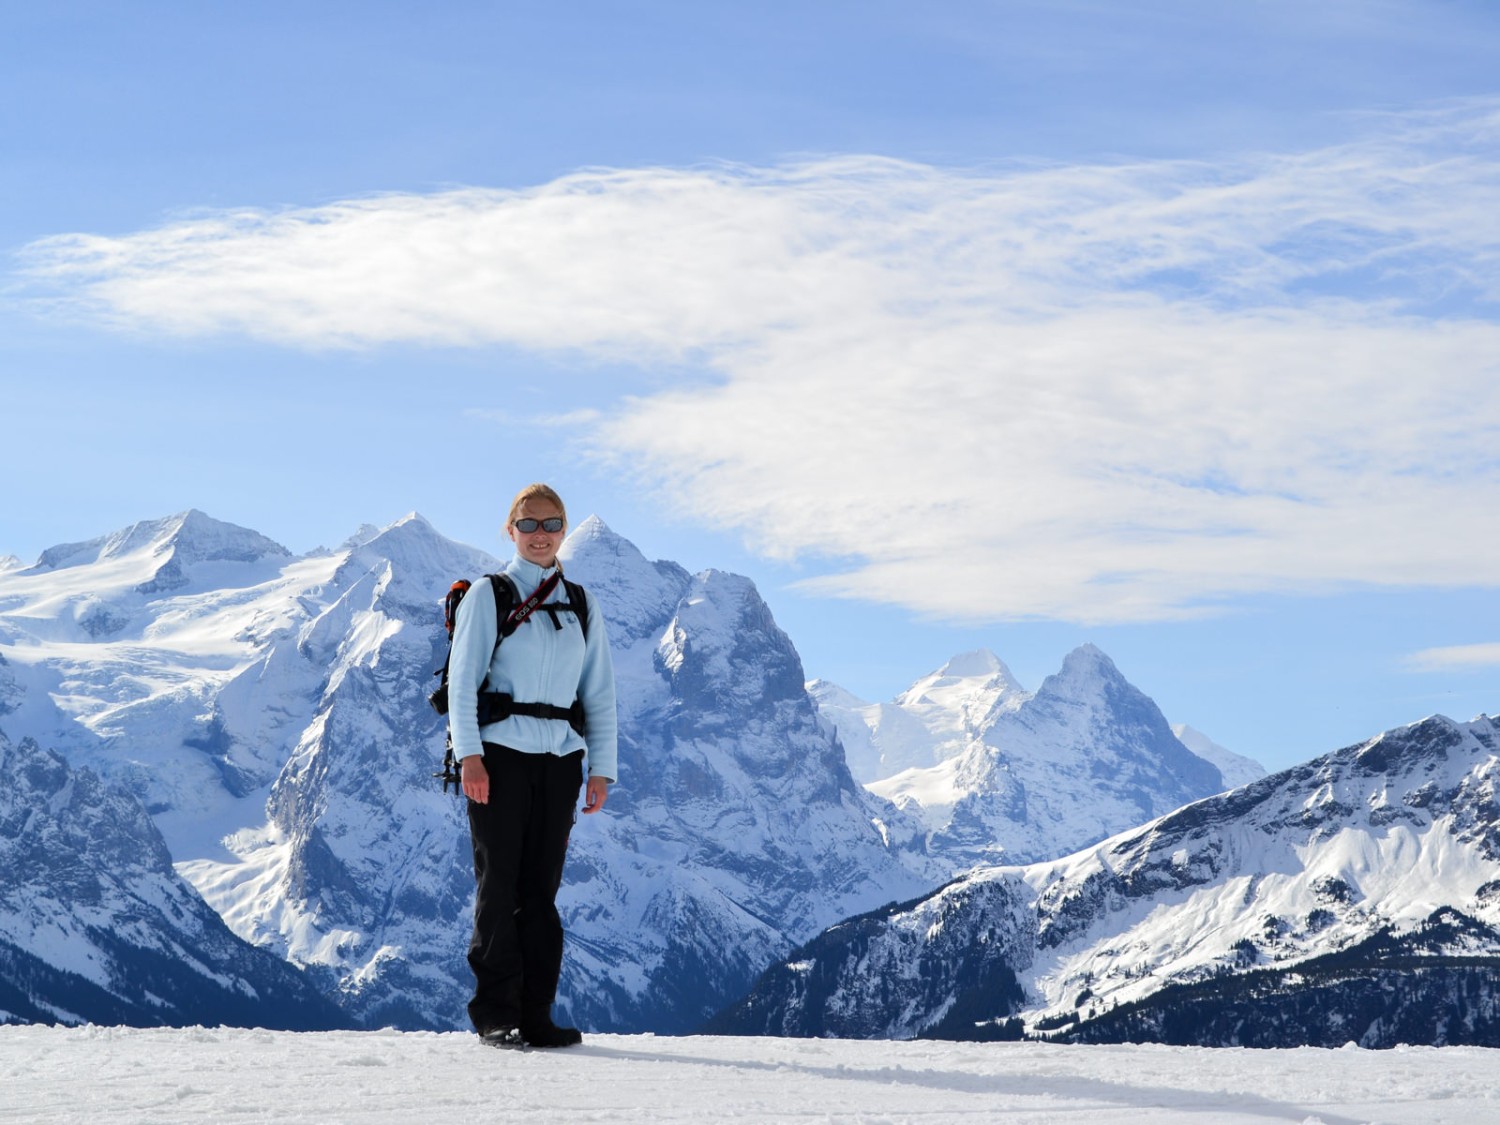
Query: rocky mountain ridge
x,y
96,926
1293,910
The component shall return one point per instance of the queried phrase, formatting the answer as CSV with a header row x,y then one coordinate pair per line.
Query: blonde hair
x,y
536,492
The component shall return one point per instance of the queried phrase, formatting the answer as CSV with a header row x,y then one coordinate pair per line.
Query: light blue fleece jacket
x,y
536,664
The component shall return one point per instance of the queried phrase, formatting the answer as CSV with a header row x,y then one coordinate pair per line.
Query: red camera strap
x,y
533,603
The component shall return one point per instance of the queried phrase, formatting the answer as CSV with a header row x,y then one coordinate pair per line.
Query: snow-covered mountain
x,y
1354,898
936,719
1022,777
96,926
270,712
1236,769
140,655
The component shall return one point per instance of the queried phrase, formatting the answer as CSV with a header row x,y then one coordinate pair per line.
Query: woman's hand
x,y
476,779
596,794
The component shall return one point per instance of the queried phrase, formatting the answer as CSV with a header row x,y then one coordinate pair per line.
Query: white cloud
x,y
1102,393
1455,657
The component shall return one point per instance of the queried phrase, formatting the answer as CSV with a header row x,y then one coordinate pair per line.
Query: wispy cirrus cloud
x,y
1455,657
1100,392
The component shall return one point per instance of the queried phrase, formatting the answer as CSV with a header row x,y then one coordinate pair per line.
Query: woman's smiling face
x,y
539,546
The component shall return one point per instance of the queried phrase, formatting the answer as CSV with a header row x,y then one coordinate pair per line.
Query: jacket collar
x,y
527,574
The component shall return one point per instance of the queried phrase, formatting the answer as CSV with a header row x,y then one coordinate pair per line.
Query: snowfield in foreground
x,y
109,1075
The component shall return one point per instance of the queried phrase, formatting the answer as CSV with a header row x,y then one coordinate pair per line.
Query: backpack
x,y
510,614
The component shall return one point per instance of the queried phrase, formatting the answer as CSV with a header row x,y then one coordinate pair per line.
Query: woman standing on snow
x,y
524,760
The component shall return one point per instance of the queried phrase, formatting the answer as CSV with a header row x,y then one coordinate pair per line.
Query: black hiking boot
x,y
544,1033
505,1037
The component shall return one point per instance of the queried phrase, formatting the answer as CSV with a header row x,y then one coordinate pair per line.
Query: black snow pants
x,y
520,843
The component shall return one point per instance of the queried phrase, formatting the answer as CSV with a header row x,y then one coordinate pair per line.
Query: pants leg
x,y
520,842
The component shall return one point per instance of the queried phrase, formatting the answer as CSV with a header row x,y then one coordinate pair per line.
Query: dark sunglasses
x,y
526,525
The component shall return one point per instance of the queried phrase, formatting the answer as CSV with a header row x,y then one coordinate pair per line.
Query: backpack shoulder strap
x,y
505,592
506,599
580,602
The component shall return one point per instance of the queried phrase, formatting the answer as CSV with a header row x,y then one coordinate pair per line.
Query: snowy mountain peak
x,y
593,545
1040,775
980,665
1430,749
1089,693
934,721
403,571
367,533
362,535
197,537
828,693
980,662
722,649
635,594
1090,681
1086,664
957,700
592,529
187,537
98,584
410,541
1237,769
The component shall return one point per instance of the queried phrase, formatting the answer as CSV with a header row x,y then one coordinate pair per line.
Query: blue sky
x,y
1166,326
